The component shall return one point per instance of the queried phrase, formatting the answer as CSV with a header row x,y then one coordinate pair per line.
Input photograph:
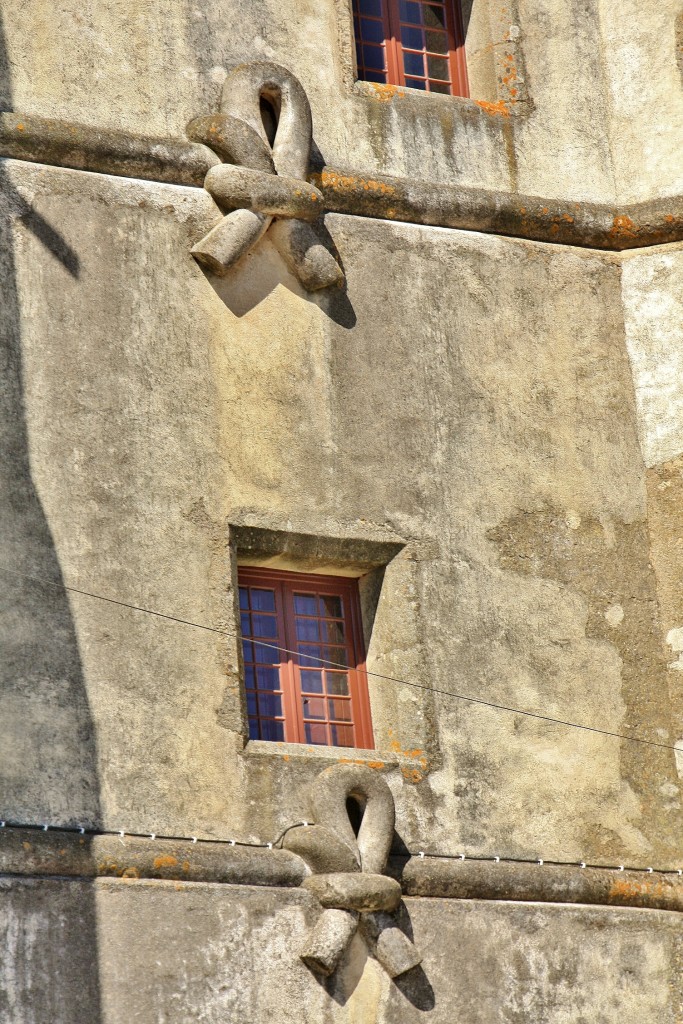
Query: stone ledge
x,y
535,883
33,853
176,161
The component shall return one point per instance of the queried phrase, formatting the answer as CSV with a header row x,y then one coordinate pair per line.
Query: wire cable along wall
x,y
332,664
6,826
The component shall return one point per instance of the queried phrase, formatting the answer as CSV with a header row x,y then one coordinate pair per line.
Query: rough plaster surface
x,y
160,407
653,310
603,85
172,953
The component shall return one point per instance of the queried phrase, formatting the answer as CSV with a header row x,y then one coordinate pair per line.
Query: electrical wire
x,y
324,662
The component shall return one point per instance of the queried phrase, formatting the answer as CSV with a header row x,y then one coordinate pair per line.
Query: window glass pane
x,y
316,733
331,606
252,708
270,704
249,677
310,656
410,11
311,682
314,707
375,76
438,67
337,683
271,730
268,678
440,87
305,604
412,38
372,31
247,651
415,83
244,597
254,733
434,17
340,710
342,735
262,600
336,655
437,42
413,63
267,655
370,7
264,625
307,629
373,57
245,624
334,632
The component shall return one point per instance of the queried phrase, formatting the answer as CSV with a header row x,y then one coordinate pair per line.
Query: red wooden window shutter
x,y
304,664
419,44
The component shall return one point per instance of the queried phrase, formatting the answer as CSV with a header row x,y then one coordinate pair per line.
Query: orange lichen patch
x,y
186,866
27,846
412,775
631,890
499,107
377,765
165,861
285,757
352,183
386,93
669,218
20,127
623,227
130,873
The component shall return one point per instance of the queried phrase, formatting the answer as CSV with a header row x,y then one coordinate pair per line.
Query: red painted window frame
x,y
285,583
391,22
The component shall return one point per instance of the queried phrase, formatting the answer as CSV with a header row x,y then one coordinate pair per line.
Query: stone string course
x,y
173,161
27,852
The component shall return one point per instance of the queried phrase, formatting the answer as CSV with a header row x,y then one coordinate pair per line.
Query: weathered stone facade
x,y
484,424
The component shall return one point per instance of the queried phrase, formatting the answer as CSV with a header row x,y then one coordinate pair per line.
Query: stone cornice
x,y
588,225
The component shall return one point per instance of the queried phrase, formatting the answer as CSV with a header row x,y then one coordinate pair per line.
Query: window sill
x,y
413,768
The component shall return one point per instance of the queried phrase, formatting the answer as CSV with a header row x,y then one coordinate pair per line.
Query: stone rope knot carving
x,y
347,871
259,181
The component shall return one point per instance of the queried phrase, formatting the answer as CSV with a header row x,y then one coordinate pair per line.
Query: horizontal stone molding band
x,y
588,225
33,853
538,883
28,852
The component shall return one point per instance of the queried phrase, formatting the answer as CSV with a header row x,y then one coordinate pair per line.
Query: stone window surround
x,y
494,57
405,734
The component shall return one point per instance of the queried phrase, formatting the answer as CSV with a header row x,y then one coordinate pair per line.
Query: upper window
x,y
415,43
305,679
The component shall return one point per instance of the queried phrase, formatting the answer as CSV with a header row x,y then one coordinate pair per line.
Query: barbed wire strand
x,y
323,662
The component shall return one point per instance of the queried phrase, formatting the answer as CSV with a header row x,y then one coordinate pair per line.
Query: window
x,y
414,43
317,693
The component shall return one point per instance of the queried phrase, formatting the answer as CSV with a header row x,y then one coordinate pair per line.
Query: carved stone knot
x,y
259,181
347,871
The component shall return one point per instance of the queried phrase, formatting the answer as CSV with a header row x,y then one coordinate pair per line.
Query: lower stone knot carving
x,y
259,181
347,871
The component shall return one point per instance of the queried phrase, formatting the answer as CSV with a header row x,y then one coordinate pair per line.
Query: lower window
x,y
303,655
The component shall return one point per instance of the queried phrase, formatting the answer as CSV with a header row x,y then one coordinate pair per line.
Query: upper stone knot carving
x,y
259,181
347,870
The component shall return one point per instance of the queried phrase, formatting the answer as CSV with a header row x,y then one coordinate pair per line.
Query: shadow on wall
x,y
48,767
